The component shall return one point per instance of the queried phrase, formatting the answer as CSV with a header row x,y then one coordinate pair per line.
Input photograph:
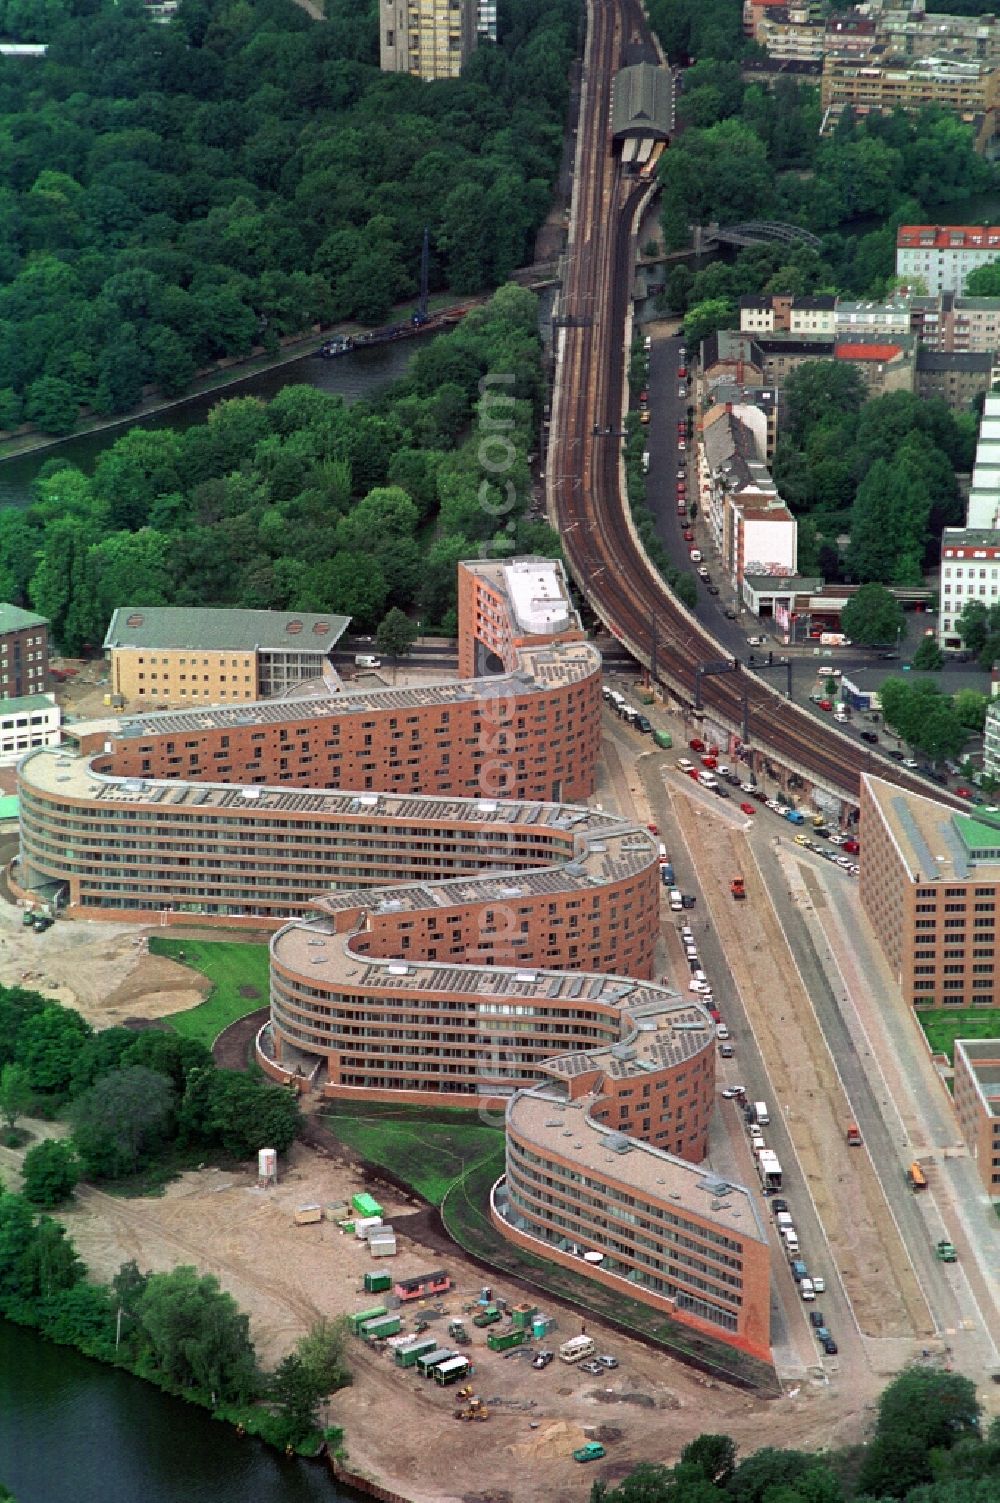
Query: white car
x,y
695,555
748,788
700,987
910,762
828,671
729,1093
757,641
845,861
723,770
772,803
837,839
721,1031
685,765
783,809
819,1283
807,1289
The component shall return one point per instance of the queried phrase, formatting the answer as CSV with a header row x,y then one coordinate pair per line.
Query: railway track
x,y
586,488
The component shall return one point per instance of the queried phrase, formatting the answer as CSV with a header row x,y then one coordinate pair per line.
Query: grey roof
x,y
978,362
12,618
730,345
642,102
822,301
209,630
26,702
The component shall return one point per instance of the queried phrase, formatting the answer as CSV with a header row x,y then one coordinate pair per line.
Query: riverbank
x,y
227,374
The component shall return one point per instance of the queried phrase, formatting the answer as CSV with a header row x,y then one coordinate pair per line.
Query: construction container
x,y
502,1341
378,1283
428,1361
307,1215
540,1326
337,1210
451,1371
364,1224
417,1346
385,1325
366,1205
382,1243
362,1317
522,1316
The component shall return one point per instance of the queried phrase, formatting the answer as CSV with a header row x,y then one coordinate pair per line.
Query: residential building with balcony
x,y
432,39
772,313
942,256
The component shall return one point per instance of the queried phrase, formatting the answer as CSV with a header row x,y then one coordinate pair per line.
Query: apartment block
x,y
24,653
30,721
178,655
782,313
882,83
977,1102
760,407
942,256
970,570
929,885
432,39
753,528
959,378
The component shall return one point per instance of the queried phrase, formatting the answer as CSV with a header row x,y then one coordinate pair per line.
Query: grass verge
x,y
239,976
429,1150
943,1025
465,1213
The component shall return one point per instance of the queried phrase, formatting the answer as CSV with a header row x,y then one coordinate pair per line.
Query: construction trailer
x,y
451,1371
423,1285
382,1242
432,1359
416,1347
385,1325
362,1317
308,1215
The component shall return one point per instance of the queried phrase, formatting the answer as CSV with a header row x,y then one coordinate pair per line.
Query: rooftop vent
x,y
321,628
250,793
293,628
136,619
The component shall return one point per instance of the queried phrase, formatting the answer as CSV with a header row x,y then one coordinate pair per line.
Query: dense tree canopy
x,y
173,194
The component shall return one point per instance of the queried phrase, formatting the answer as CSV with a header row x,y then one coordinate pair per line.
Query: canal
x,y
74,1431
362,373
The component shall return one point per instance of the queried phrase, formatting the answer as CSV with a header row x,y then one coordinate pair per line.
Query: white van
x,y
807,1289
664,858
647,343
783,1220
791,1241
676,905
707,781
367,660
645,461
685,764
760,1113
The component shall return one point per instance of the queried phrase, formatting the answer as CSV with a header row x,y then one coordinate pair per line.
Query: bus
x,y
916,1177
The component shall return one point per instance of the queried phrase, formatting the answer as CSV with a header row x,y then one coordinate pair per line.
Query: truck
x,y
769,1169
592,1451
505,1341
737,888
760,1113
795,817
853,1135
487,1317
946,1251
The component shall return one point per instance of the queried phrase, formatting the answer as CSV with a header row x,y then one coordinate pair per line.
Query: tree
x,y
49,1263
873,617
122,1120
396,634
50,1173
928,655
293,1392
706,317
970,706
48,1050
713,1455
15,1095
52,404
193,1336
237,1112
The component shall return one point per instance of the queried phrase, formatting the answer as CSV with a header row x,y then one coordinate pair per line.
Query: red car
x,y
653,829
852,847
825,704
713,1013
748,809
964,792
644,396
696,745
682,371
710,762
692,772
688,535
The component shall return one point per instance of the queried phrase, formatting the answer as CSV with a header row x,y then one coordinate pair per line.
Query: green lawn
x,y
943,1025
239,976
426,1149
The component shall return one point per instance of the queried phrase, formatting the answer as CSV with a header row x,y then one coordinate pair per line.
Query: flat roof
x,y
26,702
544,1115
206,629
937,842
541,666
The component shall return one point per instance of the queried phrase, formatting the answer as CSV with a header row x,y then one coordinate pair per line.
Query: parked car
x,y
825,704
687,900
853,846
608,1362
592,1367
816,1317
830,1347
730,614
688,535
779,1205
747,809
819,1284
872,739
713,589
542,1359
695,555
696,744
757,641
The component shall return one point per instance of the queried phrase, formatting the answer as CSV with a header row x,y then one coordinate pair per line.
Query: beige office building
x,y
431,39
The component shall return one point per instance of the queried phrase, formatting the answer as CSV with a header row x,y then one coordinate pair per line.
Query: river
x,y
74,1431
362,373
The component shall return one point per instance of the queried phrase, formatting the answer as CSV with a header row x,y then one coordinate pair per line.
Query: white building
x,y
753,529
942,256
31,721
